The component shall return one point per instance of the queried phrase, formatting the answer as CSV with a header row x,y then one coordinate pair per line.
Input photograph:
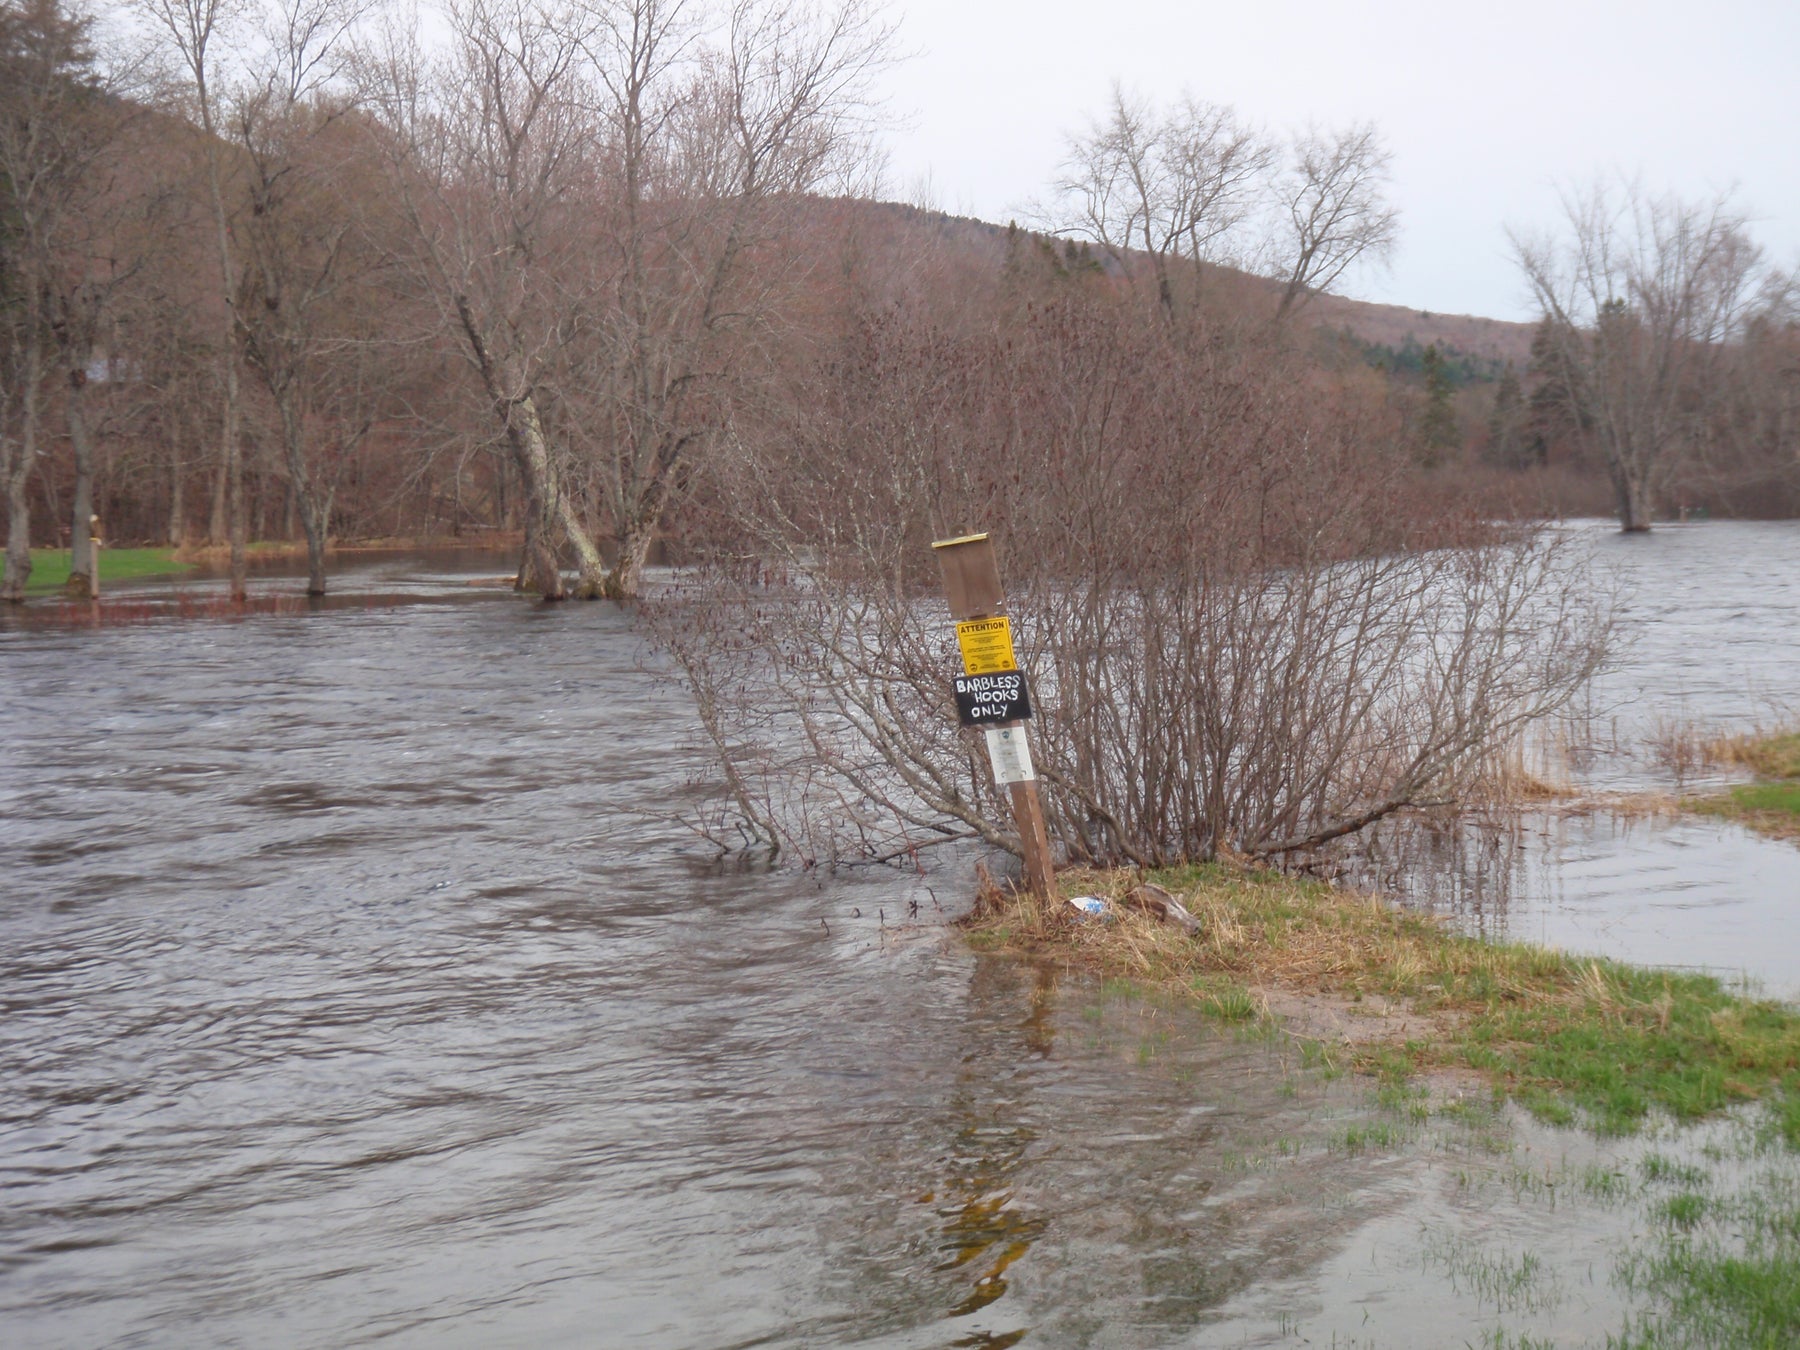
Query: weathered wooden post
x,y
991,693
94,557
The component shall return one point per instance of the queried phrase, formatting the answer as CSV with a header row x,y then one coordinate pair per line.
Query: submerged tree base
x,y
1571,1038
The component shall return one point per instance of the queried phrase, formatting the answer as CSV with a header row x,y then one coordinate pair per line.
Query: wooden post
x,y
972,586
94,558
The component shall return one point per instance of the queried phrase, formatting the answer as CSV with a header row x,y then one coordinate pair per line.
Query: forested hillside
x,y
569,279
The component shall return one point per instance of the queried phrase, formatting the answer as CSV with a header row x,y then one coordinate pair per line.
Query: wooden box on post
x,y
971,576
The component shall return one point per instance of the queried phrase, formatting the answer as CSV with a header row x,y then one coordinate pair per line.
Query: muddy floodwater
x,y
363,979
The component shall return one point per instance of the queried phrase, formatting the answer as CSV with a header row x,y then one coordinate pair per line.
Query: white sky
x,y
1487,108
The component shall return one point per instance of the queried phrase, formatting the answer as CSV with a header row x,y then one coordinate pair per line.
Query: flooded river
x,y
363,979
1709,637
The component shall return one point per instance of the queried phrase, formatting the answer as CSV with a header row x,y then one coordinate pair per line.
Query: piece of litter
x,y
1090,907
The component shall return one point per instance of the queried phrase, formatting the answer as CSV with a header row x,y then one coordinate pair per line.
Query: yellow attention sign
x,y
986,646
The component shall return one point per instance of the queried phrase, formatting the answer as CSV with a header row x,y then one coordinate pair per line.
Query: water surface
x,y
363,977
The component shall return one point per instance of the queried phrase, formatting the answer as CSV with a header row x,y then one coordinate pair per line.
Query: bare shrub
x,y
1240,638
1683,748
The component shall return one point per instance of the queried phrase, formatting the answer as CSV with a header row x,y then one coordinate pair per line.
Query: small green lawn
x,y
50,566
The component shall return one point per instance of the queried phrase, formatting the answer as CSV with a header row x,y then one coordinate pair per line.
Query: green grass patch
x,y
1783,797
1771,806
1768,808
1683,1210
50,566
1379,1136
1658,1168
1508,1282
1226,999
1572,1039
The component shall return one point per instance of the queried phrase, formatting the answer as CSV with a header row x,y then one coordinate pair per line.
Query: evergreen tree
x,y
1508,444
1557,406
1437,426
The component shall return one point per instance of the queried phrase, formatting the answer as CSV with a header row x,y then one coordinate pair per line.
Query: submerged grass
x,y
1723,1267
1570,1038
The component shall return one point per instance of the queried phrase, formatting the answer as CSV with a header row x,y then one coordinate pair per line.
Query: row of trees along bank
x,y
285,268
533,262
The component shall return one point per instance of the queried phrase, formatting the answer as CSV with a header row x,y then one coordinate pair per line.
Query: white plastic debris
x,y
1091,907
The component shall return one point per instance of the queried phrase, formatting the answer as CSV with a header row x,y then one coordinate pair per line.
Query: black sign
x,y
987,700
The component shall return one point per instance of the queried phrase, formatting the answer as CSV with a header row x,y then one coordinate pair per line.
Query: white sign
x,y
1009,755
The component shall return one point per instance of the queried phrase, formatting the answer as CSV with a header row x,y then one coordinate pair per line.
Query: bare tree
x,y
1642,298
304,257
1761,434
1179,184
719,126
490,154
1330,211
195,31
116,230
58,120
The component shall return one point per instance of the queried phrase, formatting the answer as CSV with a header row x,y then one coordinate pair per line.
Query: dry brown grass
x,y
1683,747
1767,754
1518,775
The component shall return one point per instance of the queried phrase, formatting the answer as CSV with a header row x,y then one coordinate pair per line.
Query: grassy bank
x,y
1772,804
1398,994
50,566
494,541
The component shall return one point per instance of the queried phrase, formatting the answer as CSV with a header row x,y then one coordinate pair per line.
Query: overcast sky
x,y
1487,109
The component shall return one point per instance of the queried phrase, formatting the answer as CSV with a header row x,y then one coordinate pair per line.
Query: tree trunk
x,y
517,411
587,557
234,463
524,432
314,505
554,509
538,568
1631,490
82,561
18,520
215,525
177,497
18,541
623,582
315,526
